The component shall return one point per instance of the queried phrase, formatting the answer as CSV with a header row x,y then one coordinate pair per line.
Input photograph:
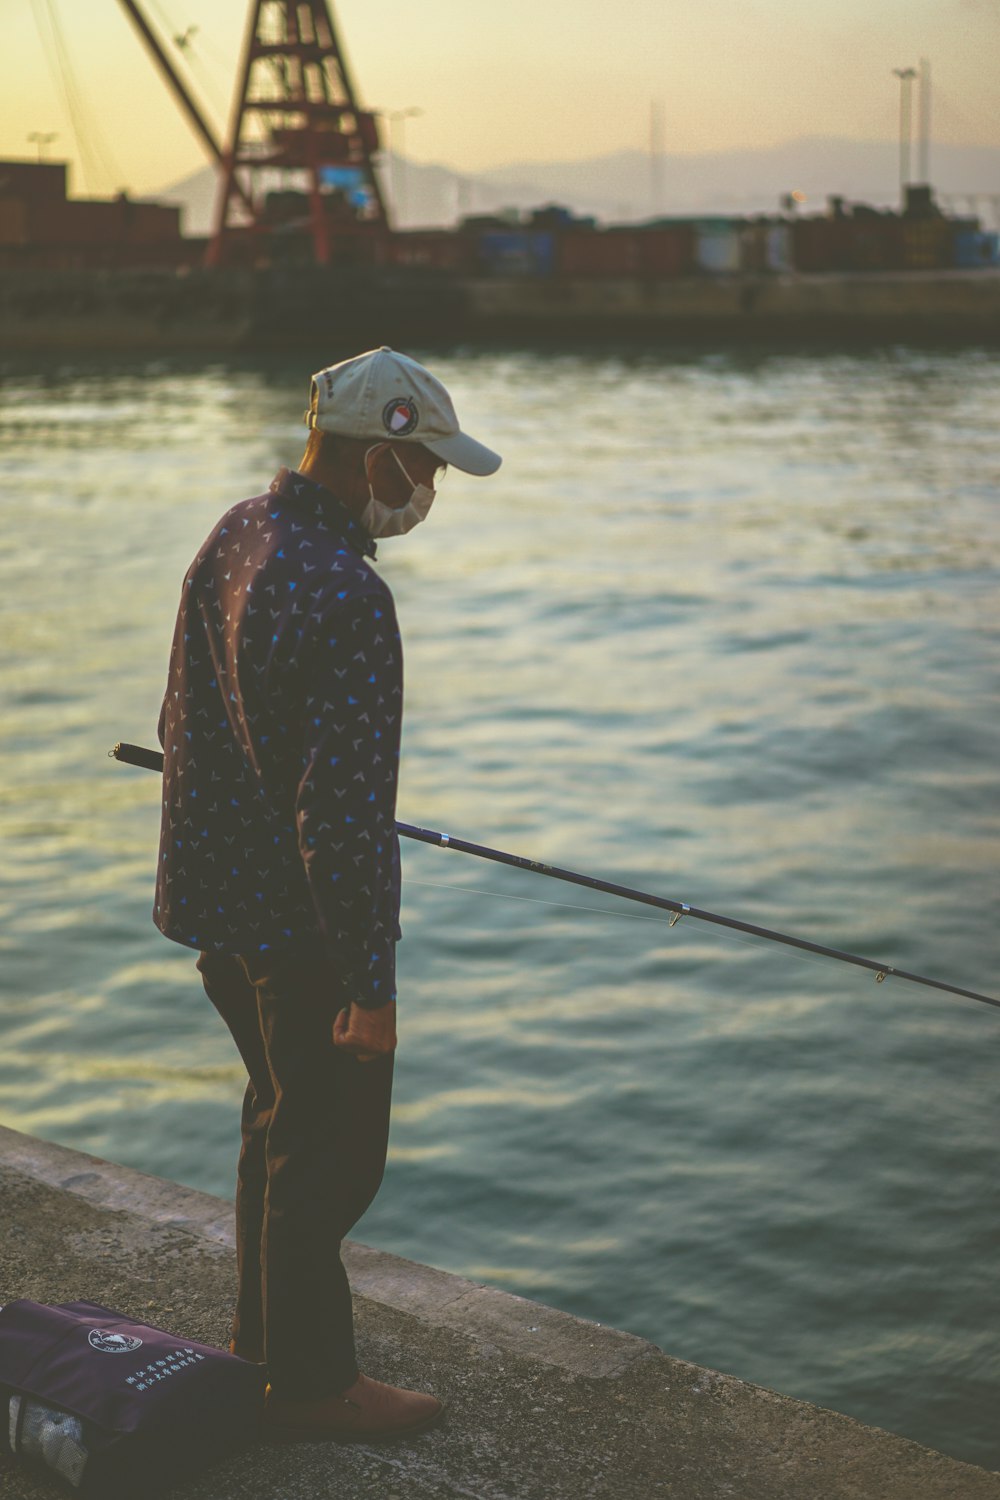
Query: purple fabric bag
x,y
114,1406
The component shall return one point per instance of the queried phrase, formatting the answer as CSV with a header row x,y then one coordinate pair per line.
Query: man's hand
x,y
366,1034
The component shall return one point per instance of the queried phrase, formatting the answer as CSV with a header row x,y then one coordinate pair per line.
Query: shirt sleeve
x,y
346,799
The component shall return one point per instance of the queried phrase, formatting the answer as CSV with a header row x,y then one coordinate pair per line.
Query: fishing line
x,y
475,890
606,911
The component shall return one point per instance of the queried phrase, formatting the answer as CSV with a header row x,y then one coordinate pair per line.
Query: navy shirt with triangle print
x,y
280,731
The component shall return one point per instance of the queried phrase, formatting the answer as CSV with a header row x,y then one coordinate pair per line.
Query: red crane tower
x,y
296,124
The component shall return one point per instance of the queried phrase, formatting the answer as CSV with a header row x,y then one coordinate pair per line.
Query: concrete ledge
x,y
106,1185
433,1296
541,1404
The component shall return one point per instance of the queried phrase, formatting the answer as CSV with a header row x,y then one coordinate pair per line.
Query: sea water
x,y
724,627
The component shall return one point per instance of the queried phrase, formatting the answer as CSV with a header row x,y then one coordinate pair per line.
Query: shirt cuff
x,y
372,984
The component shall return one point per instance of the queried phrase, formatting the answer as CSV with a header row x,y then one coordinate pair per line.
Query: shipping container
x,y
666,250
927,244
765,246
170,255
753,246
432,249
779,247
78,223
33,179
821,244
717,246
150,223
13,222
600,252
972,248
516,252
876,242
82,221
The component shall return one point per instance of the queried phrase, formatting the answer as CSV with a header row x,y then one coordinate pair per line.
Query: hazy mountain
x,y
628,185
195,196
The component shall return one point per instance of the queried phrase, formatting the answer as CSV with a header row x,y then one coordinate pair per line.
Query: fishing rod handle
x,y
137,755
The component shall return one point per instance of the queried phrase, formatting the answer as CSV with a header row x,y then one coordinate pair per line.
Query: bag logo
x,y
112,1343
400,417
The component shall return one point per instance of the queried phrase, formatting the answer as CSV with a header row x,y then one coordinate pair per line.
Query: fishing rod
x,y
152,760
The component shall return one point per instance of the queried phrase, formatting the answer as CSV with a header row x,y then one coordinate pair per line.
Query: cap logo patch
x,y
400,416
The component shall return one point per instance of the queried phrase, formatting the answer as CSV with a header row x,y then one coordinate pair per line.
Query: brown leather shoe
x,y
367,1412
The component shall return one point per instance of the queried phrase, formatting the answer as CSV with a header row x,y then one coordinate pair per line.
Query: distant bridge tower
x,y
297,167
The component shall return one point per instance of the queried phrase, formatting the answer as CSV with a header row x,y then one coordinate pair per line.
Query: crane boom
x,y
194,114
187,103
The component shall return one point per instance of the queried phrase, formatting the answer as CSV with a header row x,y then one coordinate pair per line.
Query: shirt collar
x,y
290,485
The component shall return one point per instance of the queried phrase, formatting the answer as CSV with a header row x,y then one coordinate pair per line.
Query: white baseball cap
x,y
385,396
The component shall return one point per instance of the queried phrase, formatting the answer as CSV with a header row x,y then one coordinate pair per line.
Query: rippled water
x,y
723,627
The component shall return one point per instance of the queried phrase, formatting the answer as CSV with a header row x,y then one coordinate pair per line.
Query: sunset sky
x,y
521,80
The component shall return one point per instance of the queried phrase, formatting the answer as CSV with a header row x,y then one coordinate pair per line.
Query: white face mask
x,y
380,519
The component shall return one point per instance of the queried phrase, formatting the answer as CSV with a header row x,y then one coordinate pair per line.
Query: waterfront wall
x,y
542,1406
329,311
935,305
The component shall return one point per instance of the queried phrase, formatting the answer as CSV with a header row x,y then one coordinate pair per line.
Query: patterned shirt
x,y
280,731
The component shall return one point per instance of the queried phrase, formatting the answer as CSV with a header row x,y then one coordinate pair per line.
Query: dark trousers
x,y
315,1132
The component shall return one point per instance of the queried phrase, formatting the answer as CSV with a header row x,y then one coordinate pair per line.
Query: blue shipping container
x,y
517,252
972,248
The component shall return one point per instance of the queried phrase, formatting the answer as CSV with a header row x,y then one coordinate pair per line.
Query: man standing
x,y
279,859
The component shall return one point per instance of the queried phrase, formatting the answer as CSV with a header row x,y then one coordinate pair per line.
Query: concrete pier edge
x,y
433,1296
542,1403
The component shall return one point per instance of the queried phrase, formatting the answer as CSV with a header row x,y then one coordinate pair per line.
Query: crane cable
x,y
96,159
190,52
